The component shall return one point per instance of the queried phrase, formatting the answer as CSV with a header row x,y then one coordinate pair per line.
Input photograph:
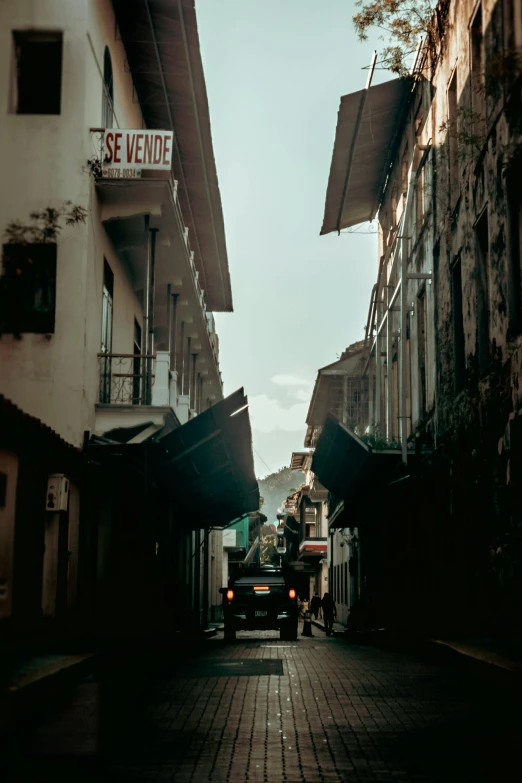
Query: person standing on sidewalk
x,y
329,613
315,606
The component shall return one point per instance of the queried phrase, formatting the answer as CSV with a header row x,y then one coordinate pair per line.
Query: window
x,y
477,63
459,357
37,73
453,151
108,91
482,269
514,200
107,308
422,352
28,289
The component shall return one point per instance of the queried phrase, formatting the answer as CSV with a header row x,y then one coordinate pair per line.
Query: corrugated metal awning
x,y
364,139
210,467
348,466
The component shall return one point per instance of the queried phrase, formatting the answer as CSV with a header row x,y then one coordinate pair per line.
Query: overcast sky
x,y
275,71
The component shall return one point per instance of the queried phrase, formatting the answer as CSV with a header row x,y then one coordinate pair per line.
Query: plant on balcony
x,y
28,270
378,441
44,225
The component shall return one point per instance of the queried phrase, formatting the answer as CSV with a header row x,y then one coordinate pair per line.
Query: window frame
x,y
21,39
21,317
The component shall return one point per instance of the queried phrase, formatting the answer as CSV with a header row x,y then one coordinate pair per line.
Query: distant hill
x,y
275,488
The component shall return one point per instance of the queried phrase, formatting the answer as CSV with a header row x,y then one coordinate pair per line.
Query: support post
x,y
173,331
149,310
194,382
182,358
389,370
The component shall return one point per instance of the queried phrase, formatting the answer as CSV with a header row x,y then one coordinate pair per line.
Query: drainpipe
x,y
404,315
149,308
189,340
182,358
194,380
173,328
389,368
206,575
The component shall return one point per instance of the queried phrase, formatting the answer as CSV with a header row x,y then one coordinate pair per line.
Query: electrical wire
x,y
270,469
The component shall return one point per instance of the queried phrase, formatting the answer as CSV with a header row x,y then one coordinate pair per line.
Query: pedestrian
x,y
304,607
329,613
315,605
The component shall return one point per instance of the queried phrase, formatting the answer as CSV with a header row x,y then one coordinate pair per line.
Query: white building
x,y
107,330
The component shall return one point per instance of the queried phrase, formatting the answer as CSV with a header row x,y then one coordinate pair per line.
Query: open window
x,y
28,289
36,85
108,91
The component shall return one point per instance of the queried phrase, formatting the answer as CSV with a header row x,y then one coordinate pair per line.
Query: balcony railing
x,y
126,378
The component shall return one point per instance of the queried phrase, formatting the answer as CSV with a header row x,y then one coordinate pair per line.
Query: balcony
x,y
137,389
313,548
126,379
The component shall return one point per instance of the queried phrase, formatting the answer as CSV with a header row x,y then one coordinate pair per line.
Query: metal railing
x,y
126,378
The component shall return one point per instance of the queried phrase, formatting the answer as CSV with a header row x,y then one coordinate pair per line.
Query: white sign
x,y
127,152
229,538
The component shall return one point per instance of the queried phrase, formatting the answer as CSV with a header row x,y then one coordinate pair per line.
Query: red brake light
x,y
230,594
292,593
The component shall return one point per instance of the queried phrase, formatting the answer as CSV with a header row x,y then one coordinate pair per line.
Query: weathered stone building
x,y
438,155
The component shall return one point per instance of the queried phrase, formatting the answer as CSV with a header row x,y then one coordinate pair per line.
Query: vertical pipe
x,y
189,340
194,381
206,575
389,368
182,358
200,394
146,315
175,298
169,320
402,350
152,235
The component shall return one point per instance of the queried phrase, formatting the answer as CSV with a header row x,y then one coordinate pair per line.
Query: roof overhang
x,y
25,434
367,125
348,466
163,54
300,460
209,466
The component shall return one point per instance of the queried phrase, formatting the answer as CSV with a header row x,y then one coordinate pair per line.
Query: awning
x,y
163,55
209,465
348,466
364,143
299,459
25,434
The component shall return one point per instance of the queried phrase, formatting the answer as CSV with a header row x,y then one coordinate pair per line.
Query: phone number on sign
x,y
122,173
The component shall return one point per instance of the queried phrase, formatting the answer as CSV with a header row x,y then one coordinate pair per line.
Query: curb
x,y
321,628
36,691
480,656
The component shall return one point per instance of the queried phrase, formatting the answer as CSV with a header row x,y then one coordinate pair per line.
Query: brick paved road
x,y
263,710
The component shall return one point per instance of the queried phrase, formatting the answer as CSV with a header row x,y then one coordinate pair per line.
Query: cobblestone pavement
x,y
265,710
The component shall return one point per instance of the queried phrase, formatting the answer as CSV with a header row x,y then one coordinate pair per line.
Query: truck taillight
x,y
230,594
292,593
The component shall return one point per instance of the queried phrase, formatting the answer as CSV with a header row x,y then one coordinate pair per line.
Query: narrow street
x,y
264,710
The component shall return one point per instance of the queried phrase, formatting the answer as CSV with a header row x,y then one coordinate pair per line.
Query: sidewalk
x,y
338,629
503,655
29,681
